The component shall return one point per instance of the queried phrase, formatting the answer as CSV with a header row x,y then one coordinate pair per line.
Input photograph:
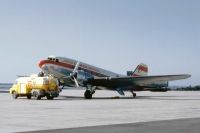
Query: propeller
x,y
74,74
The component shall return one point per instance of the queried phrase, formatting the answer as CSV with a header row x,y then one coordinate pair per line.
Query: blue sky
x,y
113,34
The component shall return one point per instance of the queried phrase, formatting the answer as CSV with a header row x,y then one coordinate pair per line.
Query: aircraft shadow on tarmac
x,y
129,97
96,98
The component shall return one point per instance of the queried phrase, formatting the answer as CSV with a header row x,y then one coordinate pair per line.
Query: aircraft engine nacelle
x,y
83,76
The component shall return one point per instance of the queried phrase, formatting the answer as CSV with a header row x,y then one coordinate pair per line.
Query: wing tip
x,y
188,75
185,76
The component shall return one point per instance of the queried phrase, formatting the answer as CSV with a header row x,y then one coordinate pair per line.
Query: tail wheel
x,y
14,94
134,95
88,94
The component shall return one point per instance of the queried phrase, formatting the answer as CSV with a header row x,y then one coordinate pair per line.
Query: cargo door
x,y
23,88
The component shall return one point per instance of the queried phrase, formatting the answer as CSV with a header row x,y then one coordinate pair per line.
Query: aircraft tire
x,y
88,94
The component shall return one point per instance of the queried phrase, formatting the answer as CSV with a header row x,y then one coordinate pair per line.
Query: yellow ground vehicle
x,y
35,86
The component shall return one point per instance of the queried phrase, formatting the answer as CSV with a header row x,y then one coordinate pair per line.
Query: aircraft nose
x,y
41,63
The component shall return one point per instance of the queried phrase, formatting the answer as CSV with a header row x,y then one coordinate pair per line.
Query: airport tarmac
x,y
190,125
71,110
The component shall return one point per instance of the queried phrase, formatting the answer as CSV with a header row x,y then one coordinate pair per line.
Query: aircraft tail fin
x,y
141,70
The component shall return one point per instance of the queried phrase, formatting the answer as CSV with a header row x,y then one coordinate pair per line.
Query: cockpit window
x,y
50,58
53,59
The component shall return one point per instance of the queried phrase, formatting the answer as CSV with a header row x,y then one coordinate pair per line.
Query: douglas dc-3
x,y
73,73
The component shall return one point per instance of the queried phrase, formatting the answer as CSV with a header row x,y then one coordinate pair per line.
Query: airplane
x,y
73,73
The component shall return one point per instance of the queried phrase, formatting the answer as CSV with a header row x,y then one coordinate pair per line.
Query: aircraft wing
x,y
128,81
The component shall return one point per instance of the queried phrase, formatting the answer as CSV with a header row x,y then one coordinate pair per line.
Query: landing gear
x,y
134,94
89,92
41,74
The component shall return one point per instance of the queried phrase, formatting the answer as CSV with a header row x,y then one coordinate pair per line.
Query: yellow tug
x,y
35,86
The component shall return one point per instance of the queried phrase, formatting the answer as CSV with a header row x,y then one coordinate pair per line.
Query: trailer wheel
x,y
37,95
14,94
49,97
29,96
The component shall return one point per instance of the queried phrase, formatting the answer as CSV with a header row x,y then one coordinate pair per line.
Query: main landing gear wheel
x,y
134,94
88,94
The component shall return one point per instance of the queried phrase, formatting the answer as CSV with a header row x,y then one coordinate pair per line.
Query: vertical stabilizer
x,y
141,70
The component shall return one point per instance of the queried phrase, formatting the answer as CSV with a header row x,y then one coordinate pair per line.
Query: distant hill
x,y
5,85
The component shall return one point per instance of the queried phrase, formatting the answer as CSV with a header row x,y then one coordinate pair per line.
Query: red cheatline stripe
x,y
143,68
55,63
41,63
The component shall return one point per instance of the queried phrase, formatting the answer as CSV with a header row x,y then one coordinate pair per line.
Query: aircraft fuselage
x,y
62,68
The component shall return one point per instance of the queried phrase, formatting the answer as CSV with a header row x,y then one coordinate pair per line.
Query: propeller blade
x,y
76,82
76,67
74,73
